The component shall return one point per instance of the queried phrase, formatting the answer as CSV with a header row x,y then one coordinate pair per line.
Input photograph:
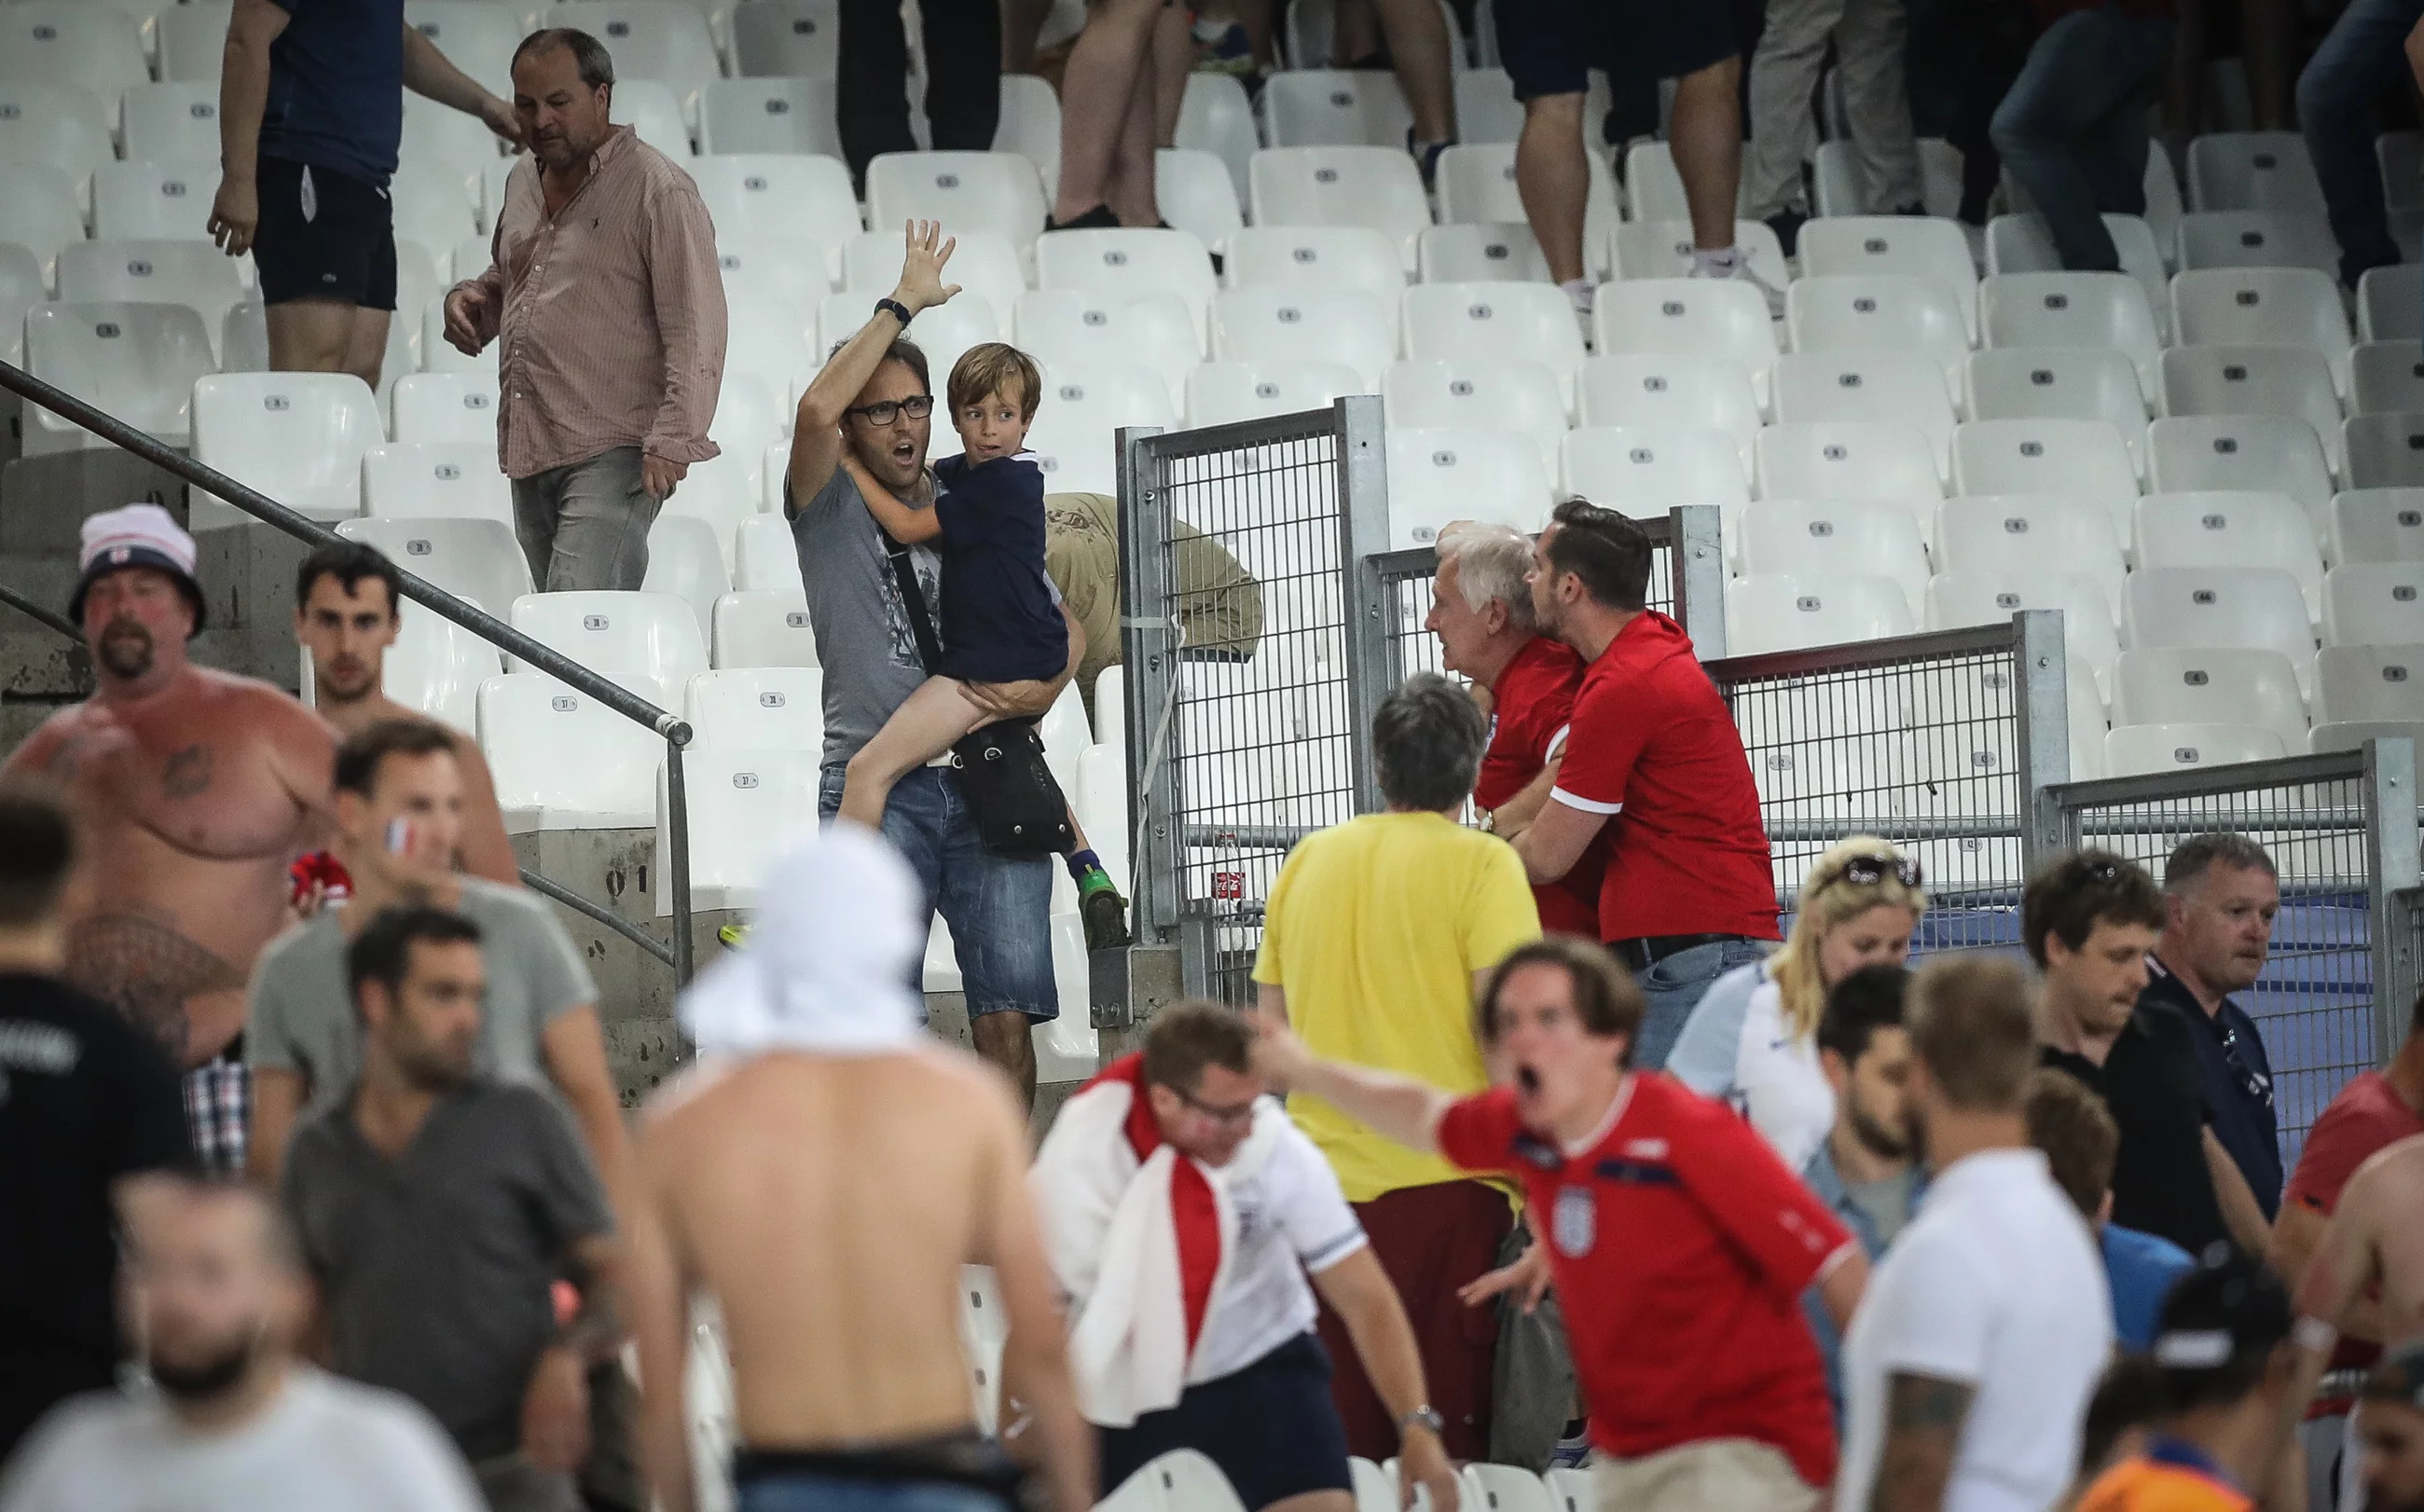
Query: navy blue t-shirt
x,y
999,623
336,87
2238,1074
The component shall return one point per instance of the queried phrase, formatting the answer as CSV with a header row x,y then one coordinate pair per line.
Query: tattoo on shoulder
x,y
188,773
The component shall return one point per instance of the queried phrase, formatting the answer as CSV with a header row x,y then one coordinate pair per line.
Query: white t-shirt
x,y
1292,1219
1997,1284
1735,1047
326,1446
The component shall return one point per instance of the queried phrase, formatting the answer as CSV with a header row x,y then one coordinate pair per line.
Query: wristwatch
x,y
900,310
1423,1417
1489,821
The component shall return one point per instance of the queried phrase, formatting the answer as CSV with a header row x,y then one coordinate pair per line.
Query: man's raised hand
x,y
921,270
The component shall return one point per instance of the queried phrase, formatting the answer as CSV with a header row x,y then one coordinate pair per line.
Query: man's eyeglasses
x,y
885,411
1228,1117
1867,871
2258,1086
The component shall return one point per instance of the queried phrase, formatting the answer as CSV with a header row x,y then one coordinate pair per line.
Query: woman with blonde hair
x,y
1753,1039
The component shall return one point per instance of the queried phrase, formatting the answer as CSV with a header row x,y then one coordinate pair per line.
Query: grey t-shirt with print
x,y
864,641
300,1016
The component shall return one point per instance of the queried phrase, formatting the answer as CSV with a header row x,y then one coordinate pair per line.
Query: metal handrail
x,y
671,727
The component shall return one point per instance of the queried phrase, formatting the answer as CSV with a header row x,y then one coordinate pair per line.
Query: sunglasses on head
x,y
1867,871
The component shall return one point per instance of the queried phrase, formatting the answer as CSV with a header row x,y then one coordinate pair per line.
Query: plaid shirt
x,y
218,1110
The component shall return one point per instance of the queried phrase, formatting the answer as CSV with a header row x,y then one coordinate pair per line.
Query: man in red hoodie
x,y
1653,759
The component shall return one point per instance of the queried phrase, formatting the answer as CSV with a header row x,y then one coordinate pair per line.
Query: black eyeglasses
x,y
1867,871
1241,1113
885,411
2258,1087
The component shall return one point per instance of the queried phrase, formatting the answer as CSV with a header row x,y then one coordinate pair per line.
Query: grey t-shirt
x,y
300,1016
1886,1203
436,1268
868,652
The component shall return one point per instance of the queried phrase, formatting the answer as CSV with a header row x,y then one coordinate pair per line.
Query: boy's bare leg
x,y
922,728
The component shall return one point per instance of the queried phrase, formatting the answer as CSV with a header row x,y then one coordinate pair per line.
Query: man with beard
x,y
236,1423
347,611
438,1207
192,787
2393,1432
89,1115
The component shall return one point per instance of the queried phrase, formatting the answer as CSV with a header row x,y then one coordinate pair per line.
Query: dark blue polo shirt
x,y
336,87
2237,1076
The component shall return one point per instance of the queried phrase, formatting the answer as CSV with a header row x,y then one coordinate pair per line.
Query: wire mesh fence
x,y
2318,817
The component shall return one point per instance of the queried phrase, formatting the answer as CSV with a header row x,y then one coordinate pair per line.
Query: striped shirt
x,y
609,337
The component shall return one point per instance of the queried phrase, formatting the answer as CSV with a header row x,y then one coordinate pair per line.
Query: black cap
x,y
2225,1308
2400,1377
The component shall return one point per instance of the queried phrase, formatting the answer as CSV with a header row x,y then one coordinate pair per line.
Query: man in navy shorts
x,y
310,117
1550,45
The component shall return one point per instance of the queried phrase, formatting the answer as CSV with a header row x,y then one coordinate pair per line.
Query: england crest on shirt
x,y
1574,1221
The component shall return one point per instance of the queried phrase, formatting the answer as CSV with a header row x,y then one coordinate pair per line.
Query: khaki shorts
x,y
1718,1475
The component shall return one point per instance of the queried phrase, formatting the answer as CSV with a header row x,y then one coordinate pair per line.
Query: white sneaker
x,y
1583,295
1741,268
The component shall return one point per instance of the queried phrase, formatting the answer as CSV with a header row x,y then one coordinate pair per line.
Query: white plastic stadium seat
x,y
2047,533
1029,125
1486,252
1374,187
1901,388
477,36
563,761
686,561
2061,383
777,38
1993,593
1064,326
194,274
2138,750
69,41
2374,603
1117,262
1477,186
2176,685
1657,392
652,40
2218,528
1194,187
1219,392
1913,246
1504,1489
446,406
1351,257
1506,322
440,137
22,285
2376,525
1663,249
2294,381
770,194
763,629
436,668
966,191
166,122
1079,396
765,558
1643,472
2352,736
58,122
192,39
769,115
296,436
1479,393
1486,107
1216,119
2103,309
2271,451
137,361
1849,459
2369,682
2384,450
983,263
1439,476
1348,327
2239,307
1691,317
152,201
38,210
1334,108
2389,306
779,277
653,635
653,110
2259,606
2083,459
457,479
744,804
2253,171
1836,537
1793,612
476,559
2385,375
2256,239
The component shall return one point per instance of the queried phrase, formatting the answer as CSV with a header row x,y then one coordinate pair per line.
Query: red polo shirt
x,y
1679,1246
1531,704
1653,747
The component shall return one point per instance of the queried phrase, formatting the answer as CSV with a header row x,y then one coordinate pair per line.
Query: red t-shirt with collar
x,y
1653,747
2366,1117
1679,1246
1531,704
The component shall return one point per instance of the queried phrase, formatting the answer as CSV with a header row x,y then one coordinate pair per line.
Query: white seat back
x,y
1067,327
1663,391
452,479
2256,239
2140,750
436,668
2176,685
475,560
1439,476
2374,603
561,760
1374,187
96,47
1848,459
2385,375
2189,452
152,201
2095,310
686,562
745,805
2253,171
763,627
997,192
1894,313
2083,459
2385,450
1794,612
787,114
650,634
446,406
2295,381
1346,327
1351,257
296,436
137,361
1903,388
1642,472
1219,392
2048,533
1783,536
2259,606
1481,394
2369,682
777,194
1508,322
787,38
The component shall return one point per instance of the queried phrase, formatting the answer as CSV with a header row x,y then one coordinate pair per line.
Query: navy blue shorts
x,y
1548,46
324,235
1271,1427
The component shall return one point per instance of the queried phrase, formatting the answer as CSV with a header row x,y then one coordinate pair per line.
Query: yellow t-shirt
x,y
1374,929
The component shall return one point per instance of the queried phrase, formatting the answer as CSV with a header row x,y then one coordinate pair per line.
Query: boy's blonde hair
x,y
995,367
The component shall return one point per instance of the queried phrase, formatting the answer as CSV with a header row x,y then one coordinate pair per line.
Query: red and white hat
x,y
135,535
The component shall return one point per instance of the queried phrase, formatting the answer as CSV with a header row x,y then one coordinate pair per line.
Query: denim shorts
x,y
1674,986
998,907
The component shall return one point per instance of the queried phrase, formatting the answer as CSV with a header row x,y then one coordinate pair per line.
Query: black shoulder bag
x,y
1019,808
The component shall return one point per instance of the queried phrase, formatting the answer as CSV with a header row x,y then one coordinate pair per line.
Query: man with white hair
x,y
822,1173
1481,610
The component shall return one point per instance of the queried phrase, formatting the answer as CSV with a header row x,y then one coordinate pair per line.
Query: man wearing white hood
x,y
1183,1211
823,1174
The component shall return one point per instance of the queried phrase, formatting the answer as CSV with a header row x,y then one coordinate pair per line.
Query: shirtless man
x,y
347,611
823,1174
2367,1277
194,787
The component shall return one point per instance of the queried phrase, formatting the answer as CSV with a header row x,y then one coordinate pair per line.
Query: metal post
x,y
1149,651
1696,559
2392,868
677,819
1363,536
2041,701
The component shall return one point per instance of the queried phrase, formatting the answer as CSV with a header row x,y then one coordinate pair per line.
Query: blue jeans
x,y
831,1493
2335,98
2073,128
1673,987
998,907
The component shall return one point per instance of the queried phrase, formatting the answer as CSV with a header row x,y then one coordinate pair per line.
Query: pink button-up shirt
x,y
613,322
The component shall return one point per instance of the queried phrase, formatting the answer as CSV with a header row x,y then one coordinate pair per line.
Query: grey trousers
x,y
585,524
1868,43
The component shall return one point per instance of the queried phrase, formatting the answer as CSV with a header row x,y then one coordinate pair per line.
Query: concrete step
x,y
44,499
